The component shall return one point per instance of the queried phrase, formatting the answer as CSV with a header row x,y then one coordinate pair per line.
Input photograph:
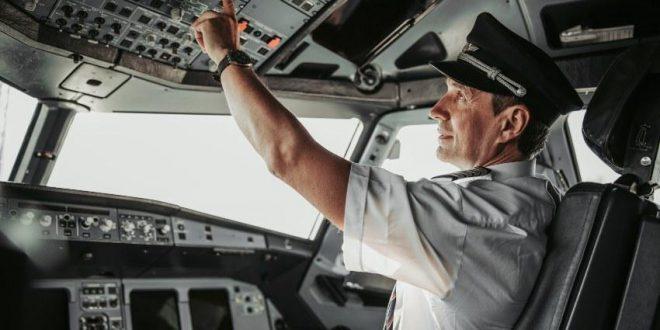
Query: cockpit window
x,y
16,110
414,156
198,162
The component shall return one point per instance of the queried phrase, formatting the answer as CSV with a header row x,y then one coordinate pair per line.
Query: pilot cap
x,y
498,61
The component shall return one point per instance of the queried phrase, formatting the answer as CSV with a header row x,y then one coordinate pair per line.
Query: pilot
x,y
465,248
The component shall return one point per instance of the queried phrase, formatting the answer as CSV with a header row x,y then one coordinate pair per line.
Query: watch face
x,y
240,57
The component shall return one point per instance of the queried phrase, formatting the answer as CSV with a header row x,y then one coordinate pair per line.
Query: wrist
x,y
219,55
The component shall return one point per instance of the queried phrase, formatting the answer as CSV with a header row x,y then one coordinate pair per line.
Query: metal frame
x,y
43,142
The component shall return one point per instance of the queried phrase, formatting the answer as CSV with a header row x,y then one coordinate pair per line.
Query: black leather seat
x,y
593,238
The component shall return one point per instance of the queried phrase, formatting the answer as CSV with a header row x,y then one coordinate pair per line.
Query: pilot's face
x,y
466,126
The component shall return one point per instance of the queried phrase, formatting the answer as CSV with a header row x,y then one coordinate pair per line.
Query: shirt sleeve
x,y
388,223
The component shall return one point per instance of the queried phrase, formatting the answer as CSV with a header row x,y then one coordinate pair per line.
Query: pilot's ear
x,y
513,121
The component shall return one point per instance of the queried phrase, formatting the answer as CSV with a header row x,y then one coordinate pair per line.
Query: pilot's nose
x,y
439,110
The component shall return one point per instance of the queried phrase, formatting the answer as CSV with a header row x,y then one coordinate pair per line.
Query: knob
x,y
116,28
188,37
82,15
31,5
87,222
164,230
150,39
93,33
140,48
46,220
128,227
188,50
163,42
152,52
67,10
147,229
107,225
176,60
108,37
99,21
161,26
177,14
61,22
144,226
175,47
27,218
76,27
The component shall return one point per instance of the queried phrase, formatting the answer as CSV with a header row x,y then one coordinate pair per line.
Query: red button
x,y
242,25
274,42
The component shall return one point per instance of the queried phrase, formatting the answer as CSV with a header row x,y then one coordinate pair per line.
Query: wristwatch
x,y
234,57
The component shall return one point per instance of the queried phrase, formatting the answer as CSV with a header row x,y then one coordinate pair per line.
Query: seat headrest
x,y
622,123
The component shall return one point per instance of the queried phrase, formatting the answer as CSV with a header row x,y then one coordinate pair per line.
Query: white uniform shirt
x,y
465,254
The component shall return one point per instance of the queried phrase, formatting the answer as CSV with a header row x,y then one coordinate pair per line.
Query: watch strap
x,y
225,62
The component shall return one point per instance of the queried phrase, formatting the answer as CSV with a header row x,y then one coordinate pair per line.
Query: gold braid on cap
x,y
492,72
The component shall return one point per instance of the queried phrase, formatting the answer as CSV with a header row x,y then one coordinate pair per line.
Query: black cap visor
x,y
468,75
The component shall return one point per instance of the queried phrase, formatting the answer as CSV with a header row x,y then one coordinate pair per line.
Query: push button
x,y
274,42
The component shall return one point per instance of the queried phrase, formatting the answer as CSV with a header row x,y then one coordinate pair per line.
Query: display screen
x,y
154,310
47,309
210,310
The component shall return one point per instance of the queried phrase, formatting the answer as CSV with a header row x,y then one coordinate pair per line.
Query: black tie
x,y
389,315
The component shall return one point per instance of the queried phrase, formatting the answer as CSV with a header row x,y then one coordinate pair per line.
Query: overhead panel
x,y
160,29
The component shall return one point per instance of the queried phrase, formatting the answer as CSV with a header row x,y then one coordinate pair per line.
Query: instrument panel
x,y
160,29
174,304
111,262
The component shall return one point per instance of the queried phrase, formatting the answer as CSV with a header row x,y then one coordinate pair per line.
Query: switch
x,y
99,21
76,27
116,28
82,15
46,220
61,22
67,10
108,38
274,42
243,24
175,47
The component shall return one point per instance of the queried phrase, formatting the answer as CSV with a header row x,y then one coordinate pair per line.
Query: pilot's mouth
x,y
442,135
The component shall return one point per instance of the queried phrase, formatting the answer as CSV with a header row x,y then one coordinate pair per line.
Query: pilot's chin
x,y
442,154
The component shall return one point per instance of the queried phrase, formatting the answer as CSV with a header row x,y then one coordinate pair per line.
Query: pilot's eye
x,y
460,96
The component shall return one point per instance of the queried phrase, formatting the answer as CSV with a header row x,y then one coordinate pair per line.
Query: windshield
x,y
198,162
16,110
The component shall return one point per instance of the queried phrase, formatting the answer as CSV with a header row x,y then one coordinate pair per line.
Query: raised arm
x,y
288,149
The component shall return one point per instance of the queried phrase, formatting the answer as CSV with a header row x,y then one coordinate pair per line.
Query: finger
x,y
200,41
209,14
228,7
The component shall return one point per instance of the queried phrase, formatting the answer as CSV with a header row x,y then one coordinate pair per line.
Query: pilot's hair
x,y
534,136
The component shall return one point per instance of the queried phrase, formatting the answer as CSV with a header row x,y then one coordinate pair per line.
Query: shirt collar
x,y
505,171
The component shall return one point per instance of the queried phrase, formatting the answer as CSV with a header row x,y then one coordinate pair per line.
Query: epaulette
x,y
475,172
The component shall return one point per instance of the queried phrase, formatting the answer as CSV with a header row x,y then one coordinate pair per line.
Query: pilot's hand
x,y
217,33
